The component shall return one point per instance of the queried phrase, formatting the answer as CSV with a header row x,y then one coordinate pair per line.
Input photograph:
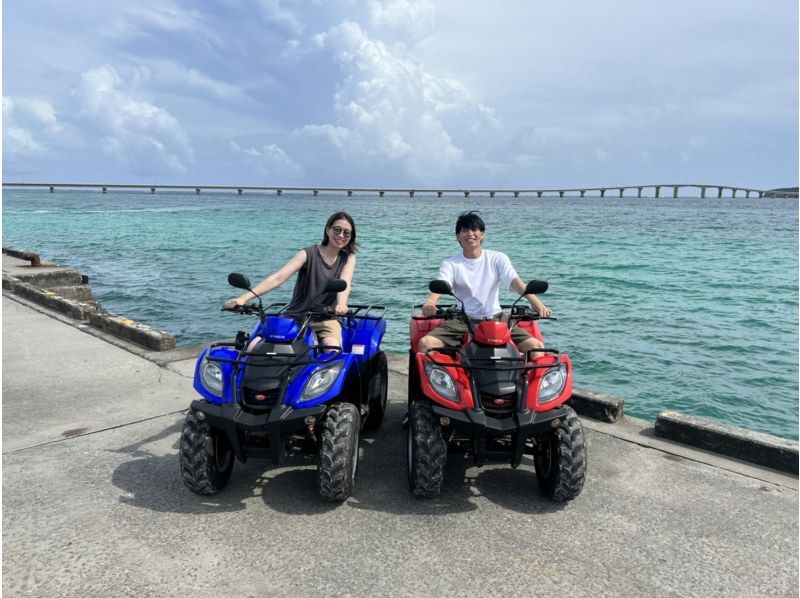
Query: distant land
x,y
781,191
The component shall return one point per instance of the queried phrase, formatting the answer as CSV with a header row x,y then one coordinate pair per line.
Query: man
x,y
475,276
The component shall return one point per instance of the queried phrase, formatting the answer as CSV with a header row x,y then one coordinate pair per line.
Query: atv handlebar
x,y
245,309
364,312
447,312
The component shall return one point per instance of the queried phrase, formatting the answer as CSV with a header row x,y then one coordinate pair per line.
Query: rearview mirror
x,y
440,287
240,281
536,287
337,285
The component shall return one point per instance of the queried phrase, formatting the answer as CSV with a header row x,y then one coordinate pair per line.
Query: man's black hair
x,y
470,220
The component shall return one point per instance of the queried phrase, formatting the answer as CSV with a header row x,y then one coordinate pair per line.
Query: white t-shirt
x,y
477,281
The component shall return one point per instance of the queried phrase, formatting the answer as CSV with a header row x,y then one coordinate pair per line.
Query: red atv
x,y
484,394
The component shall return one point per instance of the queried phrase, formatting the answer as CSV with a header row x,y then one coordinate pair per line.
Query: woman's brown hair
x,y
352,246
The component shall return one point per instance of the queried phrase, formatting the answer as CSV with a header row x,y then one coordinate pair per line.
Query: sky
x,y
401,93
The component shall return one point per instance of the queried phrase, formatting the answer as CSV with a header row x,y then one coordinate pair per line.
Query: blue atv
x,y
276,392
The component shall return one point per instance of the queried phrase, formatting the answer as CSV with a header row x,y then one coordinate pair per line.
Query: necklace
x,y
326,259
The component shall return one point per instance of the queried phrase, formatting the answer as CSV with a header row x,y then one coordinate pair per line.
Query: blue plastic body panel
x,y
227,375
361,339
280,330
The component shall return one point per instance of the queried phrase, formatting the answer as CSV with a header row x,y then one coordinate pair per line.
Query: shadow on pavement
x,y
154,481
515,489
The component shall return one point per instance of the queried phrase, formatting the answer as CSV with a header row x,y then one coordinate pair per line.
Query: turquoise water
x,y
682,304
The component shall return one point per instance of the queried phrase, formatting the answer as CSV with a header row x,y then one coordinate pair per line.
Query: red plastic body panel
x,y
535,378
491,331
532,327
495,334
459,376
419,328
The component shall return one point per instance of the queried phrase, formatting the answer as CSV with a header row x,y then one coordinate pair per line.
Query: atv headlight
x,y
320,381
553,383
211,375
441,381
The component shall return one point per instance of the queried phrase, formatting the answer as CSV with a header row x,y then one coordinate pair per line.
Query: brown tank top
x,y
311,279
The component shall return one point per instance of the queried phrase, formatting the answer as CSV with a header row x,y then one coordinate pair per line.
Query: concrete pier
x,y
94,504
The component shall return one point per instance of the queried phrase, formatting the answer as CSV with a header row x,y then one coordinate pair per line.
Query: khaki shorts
x,y
452,331
328,329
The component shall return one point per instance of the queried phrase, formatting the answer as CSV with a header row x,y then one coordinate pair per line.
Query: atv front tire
x,y
427,451
561,465
206,456
378,392
338,453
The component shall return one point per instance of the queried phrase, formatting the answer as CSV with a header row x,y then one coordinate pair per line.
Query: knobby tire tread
x,y
429,454
197,459
568,472
335,465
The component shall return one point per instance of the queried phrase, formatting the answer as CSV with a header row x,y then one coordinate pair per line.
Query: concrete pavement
x,y
94,504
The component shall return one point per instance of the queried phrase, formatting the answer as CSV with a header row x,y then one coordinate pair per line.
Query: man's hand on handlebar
x,y
341,309
429,310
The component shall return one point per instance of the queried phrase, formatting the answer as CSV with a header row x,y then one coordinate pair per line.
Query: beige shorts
x,y
331,329
452,331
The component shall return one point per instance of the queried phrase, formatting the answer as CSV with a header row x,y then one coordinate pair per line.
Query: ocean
x,y
682,304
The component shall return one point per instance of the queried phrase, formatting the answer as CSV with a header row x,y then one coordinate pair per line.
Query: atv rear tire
x,y
206,456
561,466
378,392
338,453
427,451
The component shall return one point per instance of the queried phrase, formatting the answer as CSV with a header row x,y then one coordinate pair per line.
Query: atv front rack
x,y
361,312
274,359
471,365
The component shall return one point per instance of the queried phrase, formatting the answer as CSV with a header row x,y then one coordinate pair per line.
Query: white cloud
x,y
280,15
141,17
389,110
175,76
413,17
138,134
24,138
271,160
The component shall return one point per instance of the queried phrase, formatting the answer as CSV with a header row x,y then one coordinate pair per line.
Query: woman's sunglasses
x,y
341,232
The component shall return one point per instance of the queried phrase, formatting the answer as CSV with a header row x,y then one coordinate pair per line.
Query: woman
x,y
334,257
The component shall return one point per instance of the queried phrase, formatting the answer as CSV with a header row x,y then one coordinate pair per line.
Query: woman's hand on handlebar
x,y
231,304
341,309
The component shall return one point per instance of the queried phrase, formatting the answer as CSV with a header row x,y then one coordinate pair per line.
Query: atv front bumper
x,y
274,426
521,425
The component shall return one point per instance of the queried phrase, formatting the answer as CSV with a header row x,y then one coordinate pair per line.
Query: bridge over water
x,y
692,190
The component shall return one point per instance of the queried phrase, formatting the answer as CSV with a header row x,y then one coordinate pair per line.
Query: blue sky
x,y
403,93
